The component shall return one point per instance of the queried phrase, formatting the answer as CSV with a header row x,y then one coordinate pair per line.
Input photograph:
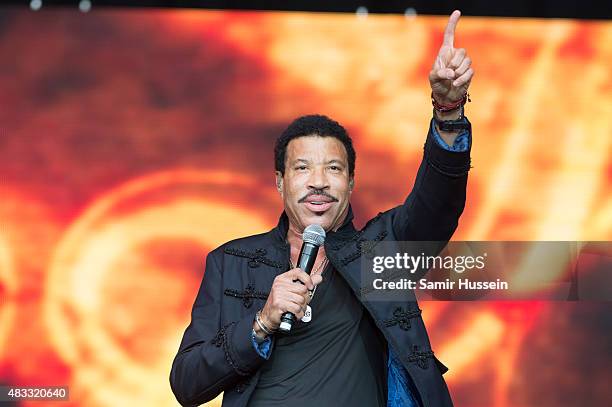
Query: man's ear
x,y
351,184
279,181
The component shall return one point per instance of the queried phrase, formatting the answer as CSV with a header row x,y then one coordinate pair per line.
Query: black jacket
x,y
216,354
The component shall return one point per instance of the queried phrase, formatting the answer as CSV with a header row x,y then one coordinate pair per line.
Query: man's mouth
x,y
318,203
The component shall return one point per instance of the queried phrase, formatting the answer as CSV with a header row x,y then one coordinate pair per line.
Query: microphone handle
x,y
306,261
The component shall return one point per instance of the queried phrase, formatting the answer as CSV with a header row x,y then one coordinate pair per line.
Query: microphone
x,y
313,237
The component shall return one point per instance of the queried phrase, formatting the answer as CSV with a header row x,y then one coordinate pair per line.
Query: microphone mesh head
x,y
314,234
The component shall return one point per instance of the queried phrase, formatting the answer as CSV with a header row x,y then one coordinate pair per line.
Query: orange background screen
x,y
133,142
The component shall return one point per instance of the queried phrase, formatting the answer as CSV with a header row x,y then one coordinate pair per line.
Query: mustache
x,y
319,192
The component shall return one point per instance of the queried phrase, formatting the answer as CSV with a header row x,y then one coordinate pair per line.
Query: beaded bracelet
x,y
447,108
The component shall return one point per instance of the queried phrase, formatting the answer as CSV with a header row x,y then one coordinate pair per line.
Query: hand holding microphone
x,y
313,237
287,299
287,295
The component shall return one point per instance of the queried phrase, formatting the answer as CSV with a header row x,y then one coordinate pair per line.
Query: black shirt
x,y
338,358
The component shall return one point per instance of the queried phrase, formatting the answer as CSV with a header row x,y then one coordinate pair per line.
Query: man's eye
x,y
335,168
301,168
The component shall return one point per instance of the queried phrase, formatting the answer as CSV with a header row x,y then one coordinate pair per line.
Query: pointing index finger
x,y
449,32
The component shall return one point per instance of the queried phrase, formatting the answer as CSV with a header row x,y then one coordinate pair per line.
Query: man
x,y
349,351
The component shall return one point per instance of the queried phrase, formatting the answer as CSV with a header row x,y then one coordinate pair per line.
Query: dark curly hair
x,y
309,125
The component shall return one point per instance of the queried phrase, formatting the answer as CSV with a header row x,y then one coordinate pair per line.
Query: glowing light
x,y
410,13
480,336
73,307
36,5
8,287
85,6
361,12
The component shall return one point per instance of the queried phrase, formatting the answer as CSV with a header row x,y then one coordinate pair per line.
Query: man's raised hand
x,y
451,73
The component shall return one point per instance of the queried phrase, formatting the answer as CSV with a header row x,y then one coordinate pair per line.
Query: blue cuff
x,y
399,392
461,144
264,349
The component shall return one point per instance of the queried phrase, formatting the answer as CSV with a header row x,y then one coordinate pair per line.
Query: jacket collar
x,y
344,231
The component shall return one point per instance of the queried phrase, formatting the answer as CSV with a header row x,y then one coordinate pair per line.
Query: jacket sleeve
x,y
212,357
432,210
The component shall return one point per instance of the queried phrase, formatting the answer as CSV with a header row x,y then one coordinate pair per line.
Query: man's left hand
x,y
451,73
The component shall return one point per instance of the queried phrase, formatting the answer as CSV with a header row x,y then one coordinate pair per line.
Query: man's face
x,y
316,186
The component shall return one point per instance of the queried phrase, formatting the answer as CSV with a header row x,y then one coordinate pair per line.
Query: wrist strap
x,y
452,125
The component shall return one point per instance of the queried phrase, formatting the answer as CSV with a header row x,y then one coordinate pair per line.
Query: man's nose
x,y
318,179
